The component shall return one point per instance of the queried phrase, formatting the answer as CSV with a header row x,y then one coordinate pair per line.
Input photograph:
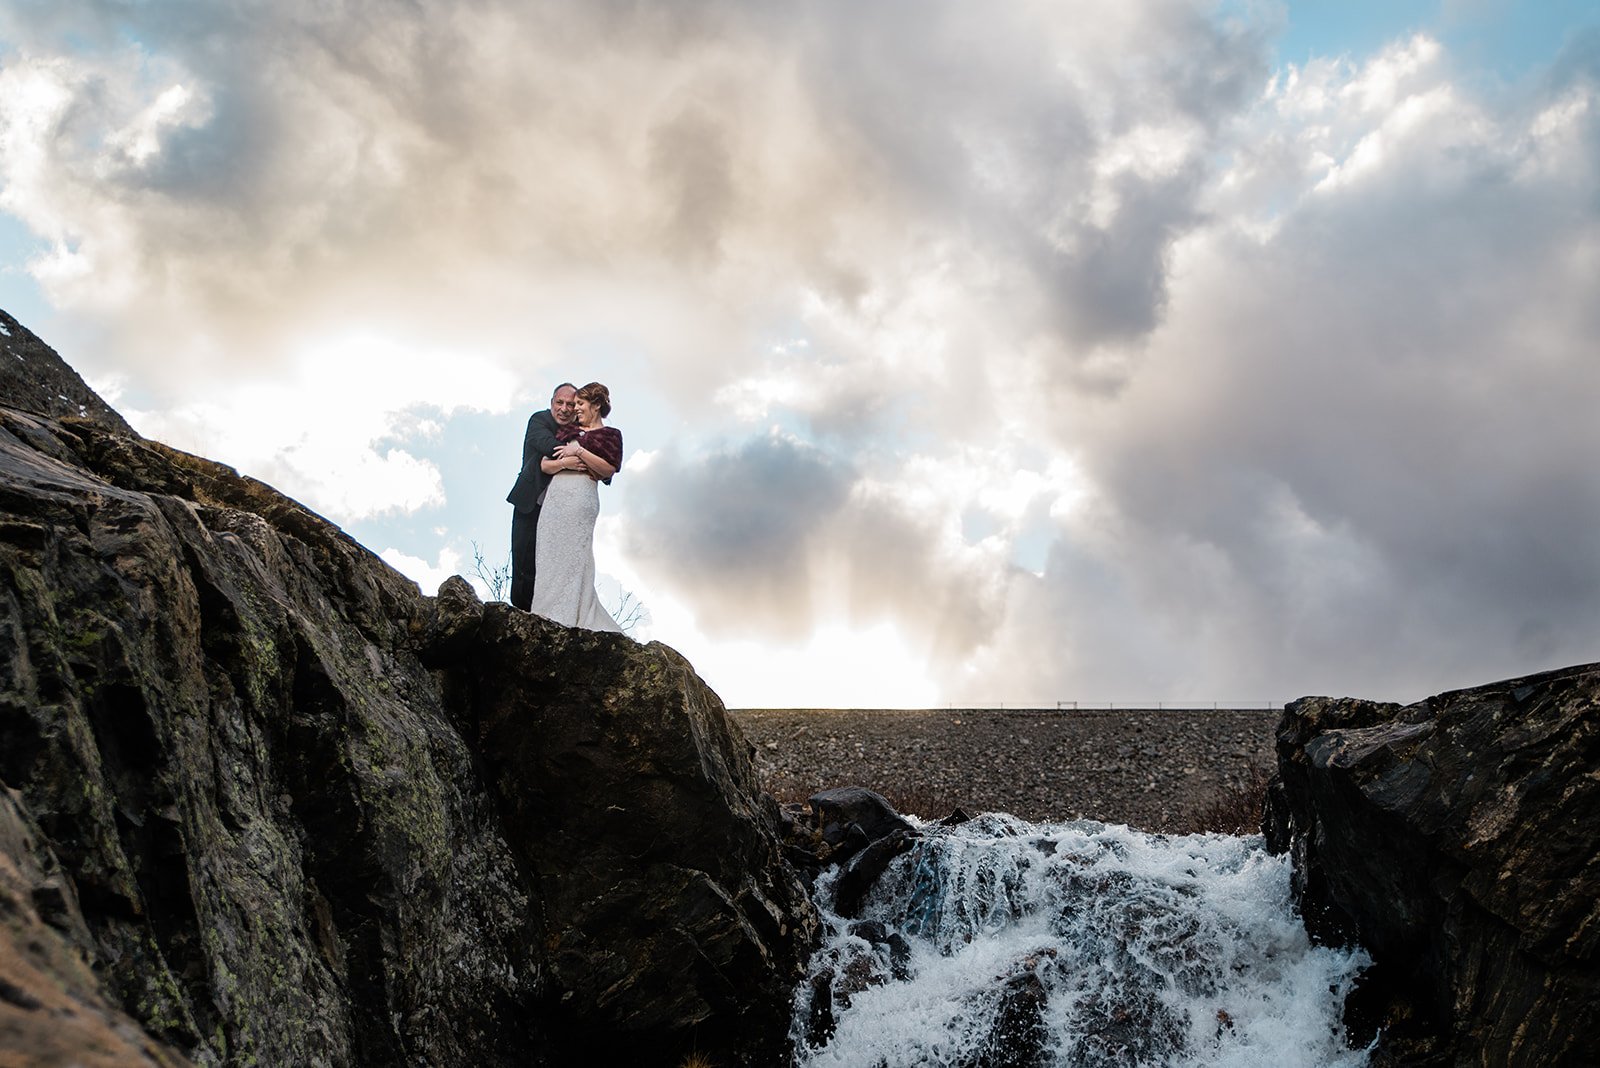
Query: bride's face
x,y
587,412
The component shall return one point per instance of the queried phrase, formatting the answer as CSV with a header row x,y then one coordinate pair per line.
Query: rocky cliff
x,y
1458,840
264,803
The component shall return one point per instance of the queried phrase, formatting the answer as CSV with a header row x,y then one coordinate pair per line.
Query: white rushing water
x,y
999,942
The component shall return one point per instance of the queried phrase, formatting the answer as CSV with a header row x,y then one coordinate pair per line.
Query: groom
x,y
537,443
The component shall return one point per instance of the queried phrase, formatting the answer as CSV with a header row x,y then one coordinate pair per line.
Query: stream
x,y
1000,943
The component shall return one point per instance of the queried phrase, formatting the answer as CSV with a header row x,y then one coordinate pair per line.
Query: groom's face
x,y
564,405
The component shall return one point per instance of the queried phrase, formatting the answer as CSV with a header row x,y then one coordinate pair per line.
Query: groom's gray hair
x,y
562,386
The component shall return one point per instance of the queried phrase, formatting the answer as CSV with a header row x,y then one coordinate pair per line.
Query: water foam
x,y
1000,942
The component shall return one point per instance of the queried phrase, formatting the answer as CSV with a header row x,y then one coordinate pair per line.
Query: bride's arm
x,y
562,461
596,464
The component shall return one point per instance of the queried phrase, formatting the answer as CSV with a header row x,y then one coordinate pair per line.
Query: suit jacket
x,y
538,442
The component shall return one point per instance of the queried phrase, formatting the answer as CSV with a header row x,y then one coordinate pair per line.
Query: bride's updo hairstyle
x,y
599,396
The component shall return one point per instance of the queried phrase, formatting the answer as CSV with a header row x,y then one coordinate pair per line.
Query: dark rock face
x,y
52,1007
281,847
633,806
1458,840
34,378
292,812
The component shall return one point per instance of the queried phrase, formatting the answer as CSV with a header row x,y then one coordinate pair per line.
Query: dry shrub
x,y
788,790
908,799
914,799
1233,809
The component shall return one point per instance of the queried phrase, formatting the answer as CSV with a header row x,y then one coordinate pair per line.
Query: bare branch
x,y
497,580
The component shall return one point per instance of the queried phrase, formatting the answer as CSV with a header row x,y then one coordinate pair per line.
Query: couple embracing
x,y
566,453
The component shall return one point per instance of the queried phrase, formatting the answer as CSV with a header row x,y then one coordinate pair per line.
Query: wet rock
x,y
820,1020
849,826
1458,840
862,870
296,813
1019,1037
851,817
852,969
1135,1030
880,934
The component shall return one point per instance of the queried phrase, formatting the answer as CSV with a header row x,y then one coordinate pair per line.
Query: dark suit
x,y
538,442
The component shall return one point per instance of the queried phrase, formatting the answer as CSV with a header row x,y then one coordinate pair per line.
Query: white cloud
x,y
141,139
1389,79
332,432
427,575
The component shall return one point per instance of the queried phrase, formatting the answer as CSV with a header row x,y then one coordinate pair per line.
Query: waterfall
x,y
1003,943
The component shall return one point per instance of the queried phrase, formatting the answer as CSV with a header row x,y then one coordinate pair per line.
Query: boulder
x,y
850,827
629,797
1458,841
290,811
852,817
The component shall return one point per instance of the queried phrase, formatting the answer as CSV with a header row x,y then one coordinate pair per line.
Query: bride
x,y
590,453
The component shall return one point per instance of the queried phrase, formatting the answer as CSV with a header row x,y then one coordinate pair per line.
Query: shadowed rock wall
x,y
289,811
634,809
1458,840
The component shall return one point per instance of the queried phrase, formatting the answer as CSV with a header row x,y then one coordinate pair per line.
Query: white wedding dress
x,y
563,575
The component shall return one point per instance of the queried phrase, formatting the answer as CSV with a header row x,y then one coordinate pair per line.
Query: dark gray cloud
x,y
772,537
738,529
1367,437
998,123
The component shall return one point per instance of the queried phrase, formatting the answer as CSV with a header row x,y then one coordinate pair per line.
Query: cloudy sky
x,y
974,353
